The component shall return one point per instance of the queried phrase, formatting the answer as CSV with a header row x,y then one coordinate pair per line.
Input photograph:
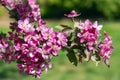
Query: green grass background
x,y
64,70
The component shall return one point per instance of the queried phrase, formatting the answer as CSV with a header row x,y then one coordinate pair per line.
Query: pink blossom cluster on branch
x,y
32,44
87,38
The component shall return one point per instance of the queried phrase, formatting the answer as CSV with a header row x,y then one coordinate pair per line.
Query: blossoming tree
x,y
32,44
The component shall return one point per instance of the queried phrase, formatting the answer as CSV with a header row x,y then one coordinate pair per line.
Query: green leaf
x,y
72,57
14,14
65,26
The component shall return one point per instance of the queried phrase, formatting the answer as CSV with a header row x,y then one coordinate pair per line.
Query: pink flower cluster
x,y
89,33
31,43
106,48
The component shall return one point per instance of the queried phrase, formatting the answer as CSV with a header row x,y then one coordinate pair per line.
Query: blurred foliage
x,y
108,9
2,10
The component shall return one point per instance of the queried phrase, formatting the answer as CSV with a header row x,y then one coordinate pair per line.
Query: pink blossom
x,y
96,26
84,25
31,39
54,49
17,46
73,13
25,25
47,33
3,45
61,38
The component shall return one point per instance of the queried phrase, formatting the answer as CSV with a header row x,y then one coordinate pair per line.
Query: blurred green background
x,y
105,11
108,9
